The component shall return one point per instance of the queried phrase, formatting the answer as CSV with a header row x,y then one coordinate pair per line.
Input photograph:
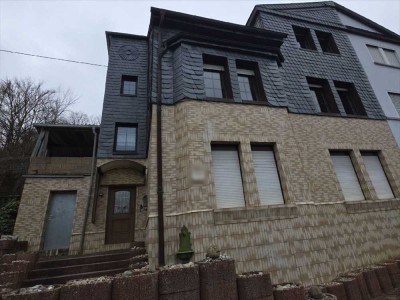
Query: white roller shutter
x,y
377,176
227,177
347,177
268,184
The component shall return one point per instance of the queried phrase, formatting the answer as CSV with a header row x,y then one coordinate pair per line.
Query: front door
x,y
60,218
121,215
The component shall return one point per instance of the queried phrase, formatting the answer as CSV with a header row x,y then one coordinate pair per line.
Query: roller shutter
x,y
347,177
377,176
268,183
227,176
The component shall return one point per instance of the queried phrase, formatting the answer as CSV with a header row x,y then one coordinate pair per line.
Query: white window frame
x,y
383,55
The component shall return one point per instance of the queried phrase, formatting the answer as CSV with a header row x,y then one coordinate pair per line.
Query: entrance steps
x,y
62,269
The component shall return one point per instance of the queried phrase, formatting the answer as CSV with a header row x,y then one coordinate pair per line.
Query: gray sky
x,y
75,30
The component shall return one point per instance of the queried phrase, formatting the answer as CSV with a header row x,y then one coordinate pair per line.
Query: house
x,y
271,141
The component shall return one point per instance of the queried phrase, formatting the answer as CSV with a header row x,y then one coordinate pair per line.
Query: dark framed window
x,y
304,38
327,42
216,77
351,101
250,83
322,96
128,85
125,138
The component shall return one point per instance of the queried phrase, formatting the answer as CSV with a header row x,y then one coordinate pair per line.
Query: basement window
x,y
351,101
304,38
327,42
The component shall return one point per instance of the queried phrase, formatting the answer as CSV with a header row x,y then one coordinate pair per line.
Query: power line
x,y
54,58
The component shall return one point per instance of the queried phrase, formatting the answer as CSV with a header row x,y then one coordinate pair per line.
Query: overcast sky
x,y
75,30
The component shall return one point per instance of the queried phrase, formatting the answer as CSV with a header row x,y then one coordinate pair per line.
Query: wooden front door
x,y
120,224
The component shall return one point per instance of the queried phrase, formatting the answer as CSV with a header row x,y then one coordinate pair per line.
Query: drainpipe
x,y
161,256
83,231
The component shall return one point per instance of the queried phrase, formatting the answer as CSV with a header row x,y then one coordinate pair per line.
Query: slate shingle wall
x,y
124,109
300,63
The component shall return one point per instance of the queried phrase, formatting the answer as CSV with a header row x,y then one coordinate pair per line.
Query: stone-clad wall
x,y
311,238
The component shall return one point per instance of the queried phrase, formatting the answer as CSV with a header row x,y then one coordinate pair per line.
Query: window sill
x,y
331,53
371,205
126,95
254,214
386,65
124,152
309,50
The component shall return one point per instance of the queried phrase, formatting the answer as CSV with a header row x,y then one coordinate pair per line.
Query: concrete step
x,y
85,268
45,263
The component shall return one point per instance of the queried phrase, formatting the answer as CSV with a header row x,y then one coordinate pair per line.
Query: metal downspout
x,y
161,255
83,231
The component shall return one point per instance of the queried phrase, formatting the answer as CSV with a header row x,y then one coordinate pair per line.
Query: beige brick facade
x,y
312,237
31,220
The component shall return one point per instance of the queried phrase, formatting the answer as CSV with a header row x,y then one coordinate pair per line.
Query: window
x,y
377,175
250,83
351,101
125,138
396,101
304,38
128,85
322,95
122,202
347,176
216,79
327,42
384,56
227,176
268,183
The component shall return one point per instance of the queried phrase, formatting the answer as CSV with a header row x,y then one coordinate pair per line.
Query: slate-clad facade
x,y
127,56
190,146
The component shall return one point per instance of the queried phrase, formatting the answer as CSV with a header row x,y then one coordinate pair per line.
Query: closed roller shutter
x,y
347,177
227,176
268,184
377,176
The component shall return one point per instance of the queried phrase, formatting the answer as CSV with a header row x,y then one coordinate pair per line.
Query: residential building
x,y
266,140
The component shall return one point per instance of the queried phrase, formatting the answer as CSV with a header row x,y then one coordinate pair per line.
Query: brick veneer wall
x,y
311,238
31,217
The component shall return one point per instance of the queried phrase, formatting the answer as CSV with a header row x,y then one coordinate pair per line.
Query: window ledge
x,y
254,214
386,65
372,205
331,53
307,49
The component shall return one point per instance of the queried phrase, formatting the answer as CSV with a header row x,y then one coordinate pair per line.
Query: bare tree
x,y
24,103
80,118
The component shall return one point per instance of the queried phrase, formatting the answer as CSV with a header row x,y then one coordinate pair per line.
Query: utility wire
x,y
54,58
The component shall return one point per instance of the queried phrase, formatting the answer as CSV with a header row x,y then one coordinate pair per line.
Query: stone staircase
x,y
62,269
